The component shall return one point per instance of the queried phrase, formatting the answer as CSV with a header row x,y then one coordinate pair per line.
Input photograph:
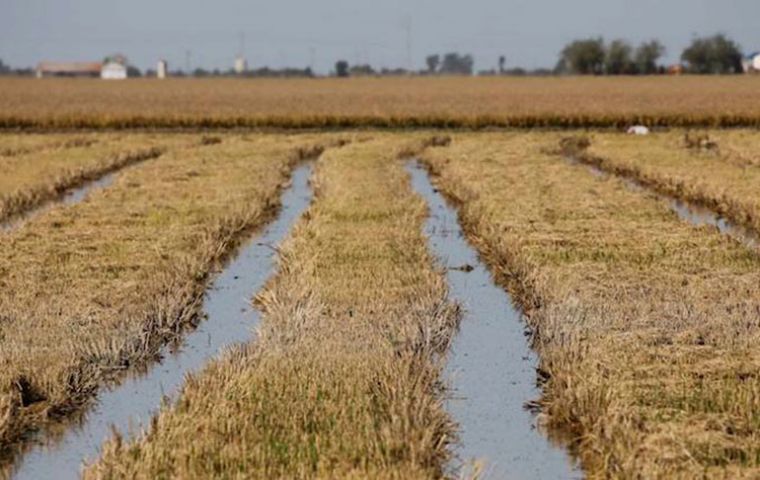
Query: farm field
x,y
399,102
39,168
91,289
722,174
341,381
646,327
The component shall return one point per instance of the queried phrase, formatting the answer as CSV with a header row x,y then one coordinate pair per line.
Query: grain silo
x,y
162,69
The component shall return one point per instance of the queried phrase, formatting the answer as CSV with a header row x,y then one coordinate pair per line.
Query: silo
x,y
162,69
241,65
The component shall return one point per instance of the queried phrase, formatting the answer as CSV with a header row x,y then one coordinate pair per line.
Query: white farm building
x,y
113,71
752,63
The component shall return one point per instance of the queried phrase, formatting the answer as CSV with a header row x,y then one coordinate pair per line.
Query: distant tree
x,y
516,72
341,68
502,63
361,70
133,71
200,72
433,62
717,54
647,56
394,72
536,72
619,59
583,57
456,64
4,69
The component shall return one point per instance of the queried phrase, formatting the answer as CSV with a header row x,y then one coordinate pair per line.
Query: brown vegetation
x,y
90,290
724,179
388,102
41,169
342,381
647,328
19,144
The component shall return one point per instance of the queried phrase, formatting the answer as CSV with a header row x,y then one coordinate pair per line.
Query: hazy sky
x,y
296,33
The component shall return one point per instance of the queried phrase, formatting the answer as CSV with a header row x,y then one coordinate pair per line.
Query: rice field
x,y
720,172
93,289
396,102
347,312
646,327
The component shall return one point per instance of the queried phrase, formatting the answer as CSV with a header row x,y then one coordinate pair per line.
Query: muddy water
x,y
689,212
230,320
491,368
70,197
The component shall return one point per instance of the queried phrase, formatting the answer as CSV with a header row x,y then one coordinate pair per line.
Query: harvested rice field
x,y
719,170
379,304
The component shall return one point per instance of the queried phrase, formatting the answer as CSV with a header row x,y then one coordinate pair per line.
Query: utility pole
x,y
407,26
188,61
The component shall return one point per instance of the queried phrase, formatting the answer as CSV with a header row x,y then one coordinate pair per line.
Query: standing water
x,y
70,197
129,406
689,212
491,366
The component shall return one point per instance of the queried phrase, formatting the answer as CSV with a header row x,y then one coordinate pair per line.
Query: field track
x,y
647,328
395,103
90,290
724,178
342,381
34,174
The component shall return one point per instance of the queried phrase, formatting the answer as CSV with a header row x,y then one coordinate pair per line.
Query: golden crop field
x,y
722,174
342,380
32,172
647,327
89,290
643,326
382,102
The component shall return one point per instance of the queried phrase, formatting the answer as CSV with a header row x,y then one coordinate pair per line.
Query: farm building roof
x,y
69,67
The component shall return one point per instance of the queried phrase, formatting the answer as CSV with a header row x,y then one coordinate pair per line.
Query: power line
x,y
407,26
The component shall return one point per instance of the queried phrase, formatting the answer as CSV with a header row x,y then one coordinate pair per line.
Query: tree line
x,y
716,54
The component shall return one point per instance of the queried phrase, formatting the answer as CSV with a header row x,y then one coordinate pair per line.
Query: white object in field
x,y
162,68
241,65
751,63
638,130
113,71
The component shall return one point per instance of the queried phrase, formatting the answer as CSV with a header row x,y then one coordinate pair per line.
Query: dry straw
x,y
647,327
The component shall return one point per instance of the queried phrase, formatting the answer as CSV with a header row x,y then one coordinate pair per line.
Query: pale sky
x,y
280,33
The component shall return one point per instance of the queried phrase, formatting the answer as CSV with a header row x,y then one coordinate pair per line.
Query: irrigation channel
x,y
230,320
74,195
491,368
687,211
69,197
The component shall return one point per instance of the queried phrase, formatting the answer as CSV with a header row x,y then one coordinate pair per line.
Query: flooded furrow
x,y
76,194
687,211
230,319
491,367
69,197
